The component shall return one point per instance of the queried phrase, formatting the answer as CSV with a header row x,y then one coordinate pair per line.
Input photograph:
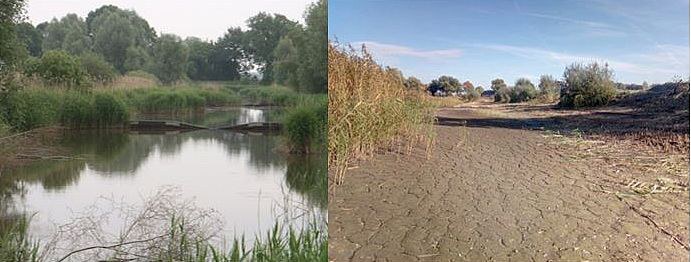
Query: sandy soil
x,y
498,187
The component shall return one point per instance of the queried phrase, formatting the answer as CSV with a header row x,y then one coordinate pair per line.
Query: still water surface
x,y
245,178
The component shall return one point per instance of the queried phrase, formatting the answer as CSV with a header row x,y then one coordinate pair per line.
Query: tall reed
x,y
369,108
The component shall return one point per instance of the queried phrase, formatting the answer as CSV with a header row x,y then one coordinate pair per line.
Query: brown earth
x,y
510,183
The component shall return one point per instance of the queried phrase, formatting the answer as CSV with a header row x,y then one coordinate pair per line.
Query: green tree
x,y
413,84
498,84
97,68
57,67
313,67
587,85
10,51
69,34
549,88
287,63
31,38
113,37
170,58
523,90
261,39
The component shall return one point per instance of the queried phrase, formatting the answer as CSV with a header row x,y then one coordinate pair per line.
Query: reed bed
x,y
369,108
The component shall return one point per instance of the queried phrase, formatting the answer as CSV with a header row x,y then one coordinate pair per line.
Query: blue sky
x,y
483,40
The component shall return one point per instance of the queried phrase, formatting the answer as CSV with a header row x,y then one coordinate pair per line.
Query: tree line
x,y
112,41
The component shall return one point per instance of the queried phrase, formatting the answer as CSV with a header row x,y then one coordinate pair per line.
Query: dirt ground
x,y
512,183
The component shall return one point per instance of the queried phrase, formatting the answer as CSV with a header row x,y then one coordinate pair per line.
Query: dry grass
x,y
369,108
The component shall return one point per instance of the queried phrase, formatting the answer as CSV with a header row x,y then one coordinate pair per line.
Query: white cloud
x,y
390,50
566,58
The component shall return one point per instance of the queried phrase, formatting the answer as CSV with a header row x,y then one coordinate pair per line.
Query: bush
x,y
503,95
587,86
58,68
109,110
549,89
77,110
302,125
97,68
30,108
523,91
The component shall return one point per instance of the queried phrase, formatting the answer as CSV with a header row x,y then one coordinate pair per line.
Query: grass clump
x,y
369,107
305,126
587,86
30,108
15,244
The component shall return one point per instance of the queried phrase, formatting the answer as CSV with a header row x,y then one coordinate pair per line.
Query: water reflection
x,y
242,176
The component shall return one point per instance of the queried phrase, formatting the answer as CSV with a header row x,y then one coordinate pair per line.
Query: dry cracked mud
x,y
504,192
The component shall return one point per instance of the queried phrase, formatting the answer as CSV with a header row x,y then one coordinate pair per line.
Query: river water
x,y
245,180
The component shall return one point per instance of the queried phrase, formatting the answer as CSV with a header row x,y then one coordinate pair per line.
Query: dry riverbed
x,y
512,183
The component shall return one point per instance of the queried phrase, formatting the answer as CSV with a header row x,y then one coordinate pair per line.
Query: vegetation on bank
x,y
181,242
369,107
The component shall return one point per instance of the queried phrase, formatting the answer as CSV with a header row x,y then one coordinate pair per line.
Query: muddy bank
x,y
509,191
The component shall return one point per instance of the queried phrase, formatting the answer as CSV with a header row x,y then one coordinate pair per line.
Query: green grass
x,y
305,125
309,244
15,244
36,107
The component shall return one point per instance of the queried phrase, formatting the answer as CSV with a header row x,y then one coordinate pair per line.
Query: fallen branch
x,y
49,157
15,135
111,246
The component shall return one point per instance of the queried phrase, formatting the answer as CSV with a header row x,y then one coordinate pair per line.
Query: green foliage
x,y
302,126
109,110
445,84
31,38
170,59
15,243
549,89
58,68
97,68
523,91
498,84
30,108
78,110
260,41
413,84
10,47
68,34
121,37
287,63
502,95
587,86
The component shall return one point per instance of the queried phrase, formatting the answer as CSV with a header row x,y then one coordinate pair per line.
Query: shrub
x,y
97,68
58,68
77,110
503,95
523,91
587,86
109,110
30,108
549,89
302,126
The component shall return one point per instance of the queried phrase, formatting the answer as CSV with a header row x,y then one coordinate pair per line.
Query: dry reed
x,y
369,108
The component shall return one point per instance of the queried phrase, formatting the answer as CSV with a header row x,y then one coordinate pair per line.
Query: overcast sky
x,y
206,19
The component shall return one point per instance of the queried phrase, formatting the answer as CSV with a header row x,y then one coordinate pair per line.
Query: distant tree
x,y
313,65
261,39
524,90
468,86
413,84
549,88
228,58
287,63
170,58
31,37
68,34
479,89
97,68
121,36
587,85
498,84
57,67
645,85
444,84
10,51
